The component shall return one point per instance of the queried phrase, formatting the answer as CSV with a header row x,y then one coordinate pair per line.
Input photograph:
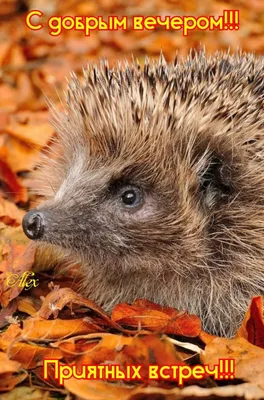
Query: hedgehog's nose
x,y
33,224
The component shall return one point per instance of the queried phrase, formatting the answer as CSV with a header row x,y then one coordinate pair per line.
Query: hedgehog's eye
x,y
127,195
131,196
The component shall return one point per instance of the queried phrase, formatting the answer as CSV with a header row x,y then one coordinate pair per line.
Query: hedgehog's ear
x,y
217,177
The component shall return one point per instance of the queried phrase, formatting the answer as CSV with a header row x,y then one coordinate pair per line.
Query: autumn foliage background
x,y
43,322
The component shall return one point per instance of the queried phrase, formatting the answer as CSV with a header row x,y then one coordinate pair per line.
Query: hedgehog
x,y
159,186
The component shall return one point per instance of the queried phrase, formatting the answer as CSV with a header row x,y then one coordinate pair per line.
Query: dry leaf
x,y
58,329
8,381
37,135
249,359
57,299
10,214
7,370
143,313
252,327
7,365
13,188
16,257
26,393
28,355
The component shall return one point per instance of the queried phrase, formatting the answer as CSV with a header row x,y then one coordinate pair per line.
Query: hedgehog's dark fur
x,y
189,135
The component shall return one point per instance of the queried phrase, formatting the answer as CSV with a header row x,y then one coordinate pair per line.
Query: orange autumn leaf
x,y
59,298
8,98
97,390
47,330
75,346
4,116
7,365
16,257
91,349
95,348
28,305
147,350
8,368
12,332
5,48
19,155
51,381
118,350
252,327
17,58
11,184
10,214
7,312
9,381
31,128
43,289
28,355
58,329
37,135
249,359
205,337
25,90
148,315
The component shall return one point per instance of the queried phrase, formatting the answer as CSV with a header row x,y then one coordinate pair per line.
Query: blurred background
x,y
33,64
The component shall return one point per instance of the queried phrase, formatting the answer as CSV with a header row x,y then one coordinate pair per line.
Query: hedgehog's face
x,y
105,210
119,212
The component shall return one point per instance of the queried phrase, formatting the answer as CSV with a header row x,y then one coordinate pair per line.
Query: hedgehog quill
x,y
160,185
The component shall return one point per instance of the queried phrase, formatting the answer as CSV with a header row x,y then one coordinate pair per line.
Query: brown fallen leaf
x,y
5,47
38,135
249,359
12,332
243,391
10,214
59,298
26,393
205,337
6,313
147,350
252,327
78,346
92,348
16,257
8,368
58,329
17,57
4,118
27,98
97,390
28,305
50,381
8,381
119,350
8,98
148,315
31,128
28,355
12,186
18,155
7,365
160,42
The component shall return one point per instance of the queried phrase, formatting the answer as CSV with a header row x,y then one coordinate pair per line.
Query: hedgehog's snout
x,y
34,224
